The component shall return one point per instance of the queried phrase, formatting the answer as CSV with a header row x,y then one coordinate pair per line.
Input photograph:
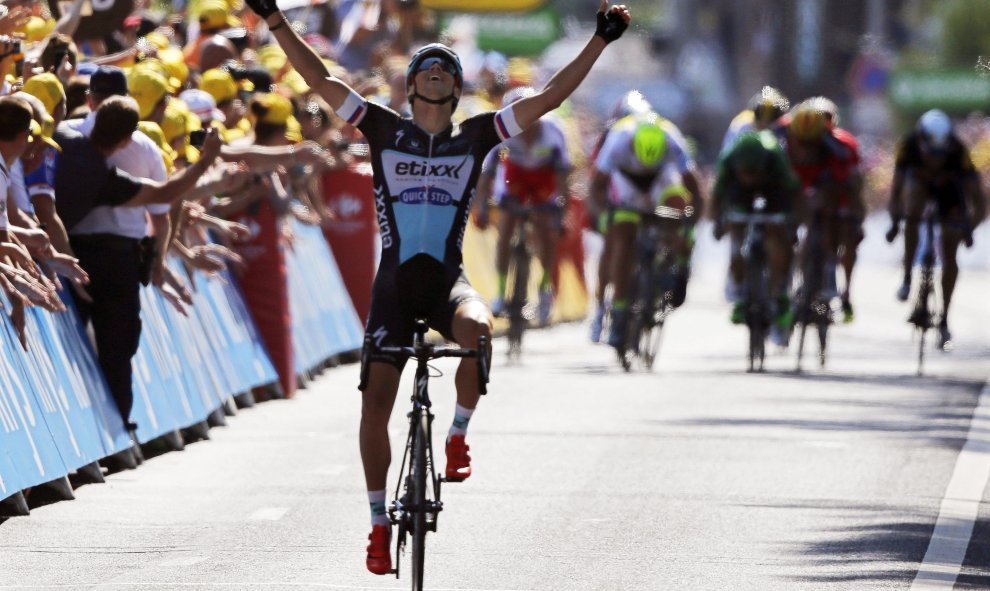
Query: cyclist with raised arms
x,y
764,111
424,170
933,164
756,166
630,175
530,170
826,160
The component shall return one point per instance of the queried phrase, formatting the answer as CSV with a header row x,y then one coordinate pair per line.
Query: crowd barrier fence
x,y
57,415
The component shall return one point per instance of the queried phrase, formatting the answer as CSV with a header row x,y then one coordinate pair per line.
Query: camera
x,y
197,138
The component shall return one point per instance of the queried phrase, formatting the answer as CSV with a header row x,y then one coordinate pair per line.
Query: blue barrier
x,y
187,367
324,322
57,414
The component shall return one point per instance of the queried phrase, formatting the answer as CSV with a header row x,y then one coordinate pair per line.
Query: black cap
x,y
108,81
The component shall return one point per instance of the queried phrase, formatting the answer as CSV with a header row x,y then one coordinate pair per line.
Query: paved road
x,y
695,476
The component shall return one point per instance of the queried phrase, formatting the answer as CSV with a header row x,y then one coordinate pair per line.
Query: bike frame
x,y
758,312
415,511
652,303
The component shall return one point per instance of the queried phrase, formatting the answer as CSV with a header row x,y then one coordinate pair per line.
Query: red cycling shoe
x,y
379,559
458,460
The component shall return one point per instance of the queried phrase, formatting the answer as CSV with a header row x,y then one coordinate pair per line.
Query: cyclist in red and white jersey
x,y
528,170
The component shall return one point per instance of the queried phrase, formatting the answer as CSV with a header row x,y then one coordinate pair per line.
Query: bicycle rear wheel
x,y
649,344
419,479
517,305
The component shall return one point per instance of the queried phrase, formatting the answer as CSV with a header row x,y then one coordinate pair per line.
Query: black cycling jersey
x,y
943,183
956,164
424,184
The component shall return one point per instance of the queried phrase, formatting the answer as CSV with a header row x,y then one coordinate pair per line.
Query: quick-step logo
x,y
415,180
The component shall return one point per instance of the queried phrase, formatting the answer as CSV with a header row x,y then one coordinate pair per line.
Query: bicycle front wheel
x,y
419,481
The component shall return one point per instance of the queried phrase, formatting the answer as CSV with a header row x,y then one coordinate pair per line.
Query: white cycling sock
x,y
461,418
376,498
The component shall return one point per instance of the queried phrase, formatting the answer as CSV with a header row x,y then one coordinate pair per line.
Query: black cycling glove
x,y
264,8
610,27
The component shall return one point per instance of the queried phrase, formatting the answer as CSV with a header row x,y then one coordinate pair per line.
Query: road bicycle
x,y
923,316
416,504
661,280
518,309
759,310
813,303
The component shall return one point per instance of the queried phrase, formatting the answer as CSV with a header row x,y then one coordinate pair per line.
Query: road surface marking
x,y
269,514
960,506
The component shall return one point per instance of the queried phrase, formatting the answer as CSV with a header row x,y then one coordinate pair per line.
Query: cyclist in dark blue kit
x,y
425,170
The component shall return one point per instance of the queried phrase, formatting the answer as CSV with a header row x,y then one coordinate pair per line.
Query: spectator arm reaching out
x,y
180,184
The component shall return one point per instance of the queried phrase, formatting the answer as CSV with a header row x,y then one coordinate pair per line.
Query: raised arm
x,y
612,22
302,57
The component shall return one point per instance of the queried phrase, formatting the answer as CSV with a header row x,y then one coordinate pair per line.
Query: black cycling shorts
x,y
422,287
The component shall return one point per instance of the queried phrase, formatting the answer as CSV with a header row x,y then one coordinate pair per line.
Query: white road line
x,y
269,514
960,505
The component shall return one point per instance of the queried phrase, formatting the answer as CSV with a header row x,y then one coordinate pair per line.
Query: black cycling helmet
x,y
768,105
449,57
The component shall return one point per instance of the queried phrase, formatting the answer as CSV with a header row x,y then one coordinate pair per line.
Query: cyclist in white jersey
x,y
425,169
528,171
629,176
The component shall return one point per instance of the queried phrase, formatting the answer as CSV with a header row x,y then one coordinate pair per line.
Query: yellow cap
x,y
157,39
293,81
179,121
278,108
37,29
161,68
175,63
47,88
220,84
215,14
152,130
148,88
272,58
38,133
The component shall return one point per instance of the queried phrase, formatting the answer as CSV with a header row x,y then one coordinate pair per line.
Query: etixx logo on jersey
x,y
434,181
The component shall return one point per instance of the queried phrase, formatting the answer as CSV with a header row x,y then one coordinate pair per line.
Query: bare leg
x,y
471,321
376,408
951,237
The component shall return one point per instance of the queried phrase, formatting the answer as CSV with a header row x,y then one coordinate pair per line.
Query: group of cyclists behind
x,y
795,161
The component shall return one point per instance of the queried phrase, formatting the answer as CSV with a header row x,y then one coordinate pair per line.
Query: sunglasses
x,y
445,64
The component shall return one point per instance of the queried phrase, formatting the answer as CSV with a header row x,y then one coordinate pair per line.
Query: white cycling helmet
x,y
935,127
630,103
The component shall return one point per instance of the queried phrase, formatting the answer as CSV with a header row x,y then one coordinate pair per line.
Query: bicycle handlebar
x,y
425,352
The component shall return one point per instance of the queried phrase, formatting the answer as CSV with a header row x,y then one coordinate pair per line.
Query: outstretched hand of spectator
x,y
14,20
310,152
173,281
66,266
175,299
25,287
211,146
